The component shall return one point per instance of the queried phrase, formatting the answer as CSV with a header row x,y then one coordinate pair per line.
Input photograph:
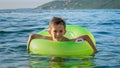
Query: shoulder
x,y
48,38
66,39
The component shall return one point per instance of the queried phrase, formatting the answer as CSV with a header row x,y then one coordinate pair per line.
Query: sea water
x,y
17,24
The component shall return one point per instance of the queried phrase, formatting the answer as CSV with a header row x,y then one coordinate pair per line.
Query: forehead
x,y
57,27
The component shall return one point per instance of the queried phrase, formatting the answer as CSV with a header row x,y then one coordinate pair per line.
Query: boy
x,y
57,30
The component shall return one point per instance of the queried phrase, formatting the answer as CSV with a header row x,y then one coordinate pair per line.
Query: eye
x,y
61,31
54,31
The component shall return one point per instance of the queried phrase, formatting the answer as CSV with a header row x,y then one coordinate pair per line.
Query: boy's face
x,y
57,32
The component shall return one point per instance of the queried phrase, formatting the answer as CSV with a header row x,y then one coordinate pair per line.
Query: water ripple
x,y
16,25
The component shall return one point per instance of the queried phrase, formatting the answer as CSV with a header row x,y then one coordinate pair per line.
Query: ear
x,y
49,31
65,32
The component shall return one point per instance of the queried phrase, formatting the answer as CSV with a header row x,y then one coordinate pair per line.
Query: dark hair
x,y
57,21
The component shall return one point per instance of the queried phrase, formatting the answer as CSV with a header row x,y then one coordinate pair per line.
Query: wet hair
x,y
57,21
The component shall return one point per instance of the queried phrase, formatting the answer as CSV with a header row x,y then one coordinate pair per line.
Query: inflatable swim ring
x,y
48,47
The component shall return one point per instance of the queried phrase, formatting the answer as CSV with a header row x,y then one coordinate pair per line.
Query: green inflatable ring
x,y
48,47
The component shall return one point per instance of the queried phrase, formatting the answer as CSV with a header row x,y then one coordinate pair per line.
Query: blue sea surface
x,y
17,24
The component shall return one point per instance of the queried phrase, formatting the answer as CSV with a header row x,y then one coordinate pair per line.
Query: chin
x,y
57,39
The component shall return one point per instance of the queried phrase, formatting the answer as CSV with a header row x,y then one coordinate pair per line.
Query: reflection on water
x,y
44,62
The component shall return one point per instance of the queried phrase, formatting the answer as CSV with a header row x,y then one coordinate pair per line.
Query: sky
x,y
14,4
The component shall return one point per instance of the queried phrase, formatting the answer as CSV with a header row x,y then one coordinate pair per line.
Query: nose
x,y
57,33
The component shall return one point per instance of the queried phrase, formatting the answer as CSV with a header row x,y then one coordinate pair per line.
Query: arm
x,y
87,38
33,36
